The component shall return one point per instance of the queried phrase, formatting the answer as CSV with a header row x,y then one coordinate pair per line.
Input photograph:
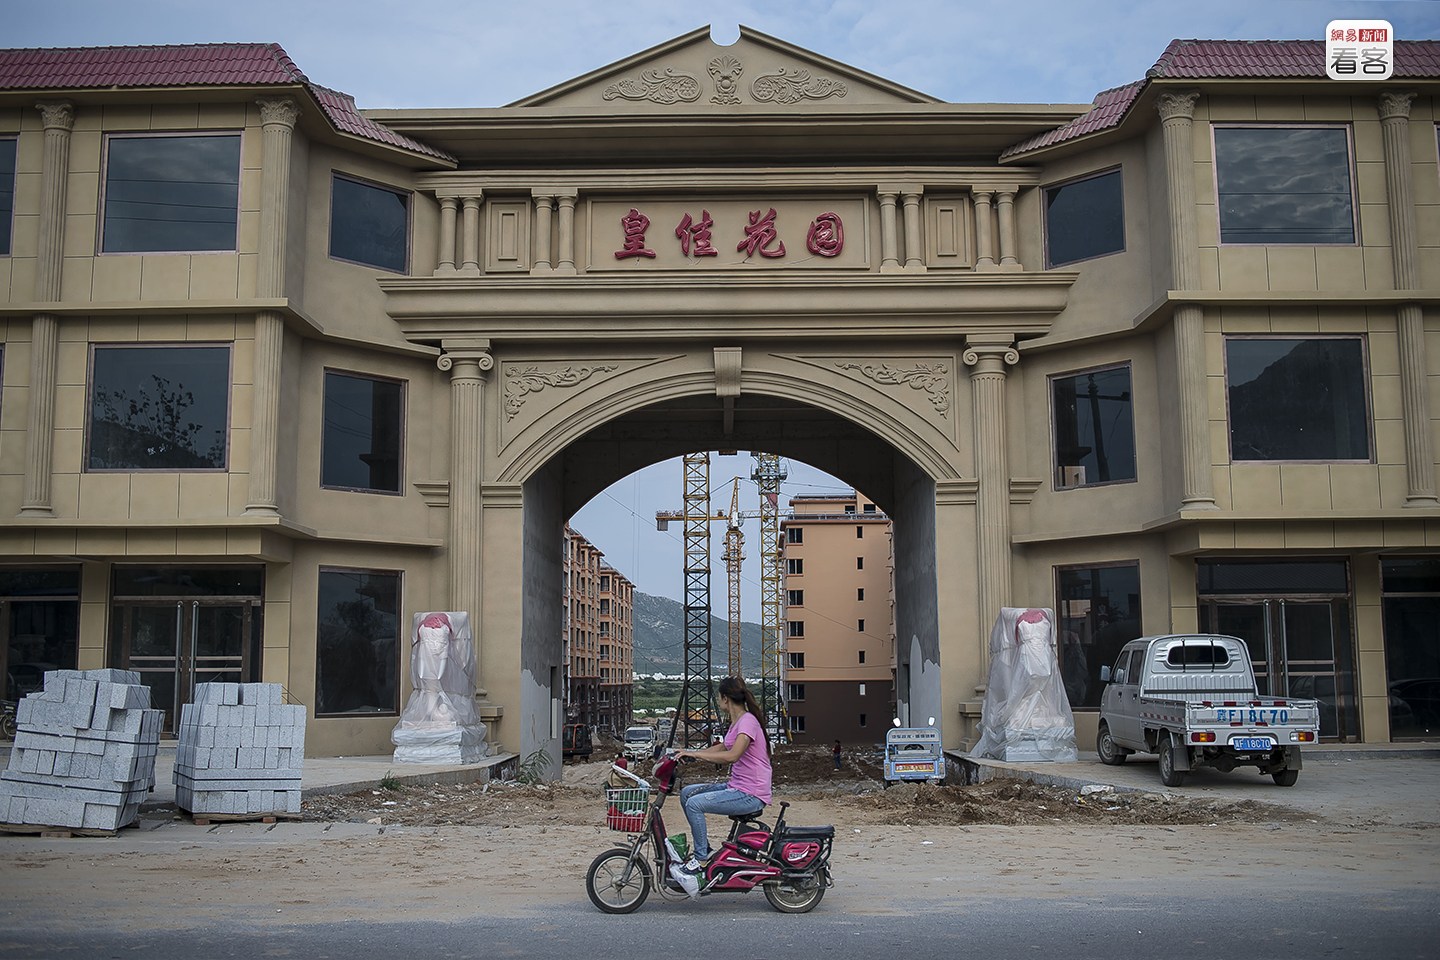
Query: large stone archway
x,y
854,304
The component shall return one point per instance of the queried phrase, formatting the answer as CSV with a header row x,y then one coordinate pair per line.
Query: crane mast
x,y
734,557
768,474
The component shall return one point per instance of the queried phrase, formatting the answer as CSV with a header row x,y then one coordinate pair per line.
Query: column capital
x,y
1179,105
1395,104
278,110
461,354
57,114
982,194
990,357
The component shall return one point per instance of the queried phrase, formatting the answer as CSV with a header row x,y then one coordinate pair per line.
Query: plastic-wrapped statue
x,y
1026,714
439,723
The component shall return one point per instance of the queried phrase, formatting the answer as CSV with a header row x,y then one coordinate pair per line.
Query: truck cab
x,y
639,742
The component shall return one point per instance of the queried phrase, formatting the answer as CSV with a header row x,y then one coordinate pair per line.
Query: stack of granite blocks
x,y
84,753
240,751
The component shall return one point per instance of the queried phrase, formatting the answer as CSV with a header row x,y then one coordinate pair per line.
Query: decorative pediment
x,y
693,72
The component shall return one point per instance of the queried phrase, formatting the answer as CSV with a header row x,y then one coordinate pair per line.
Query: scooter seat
x,y
809,833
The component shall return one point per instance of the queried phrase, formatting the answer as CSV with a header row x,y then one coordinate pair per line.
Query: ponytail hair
x,y
734,689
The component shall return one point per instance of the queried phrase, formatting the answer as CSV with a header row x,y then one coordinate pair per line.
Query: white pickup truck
x,y
1192,699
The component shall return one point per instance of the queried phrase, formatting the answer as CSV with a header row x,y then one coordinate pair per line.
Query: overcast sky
x,y
476,53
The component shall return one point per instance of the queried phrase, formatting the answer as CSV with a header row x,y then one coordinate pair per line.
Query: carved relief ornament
x,y
523,381
658,86
933,378
725,71
792,86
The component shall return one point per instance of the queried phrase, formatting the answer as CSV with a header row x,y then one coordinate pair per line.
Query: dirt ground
x,y
854,794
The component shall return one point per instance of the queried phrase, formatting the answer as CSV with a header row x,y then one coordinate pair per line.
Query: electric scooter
x,y
791,864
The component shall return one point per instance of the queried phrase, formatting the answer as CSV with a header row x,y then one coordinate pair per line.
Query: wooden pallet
x,y
206,819
59,833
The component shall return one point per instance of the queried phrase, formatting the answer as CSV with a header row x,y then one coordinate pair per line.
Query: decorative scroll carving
x,y
933,378
792,86
522,381
973,355
658,86
725,71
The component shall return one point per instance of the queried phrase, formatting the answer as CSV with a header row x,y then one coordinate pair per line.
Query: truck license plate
x,y
1252,743
914,767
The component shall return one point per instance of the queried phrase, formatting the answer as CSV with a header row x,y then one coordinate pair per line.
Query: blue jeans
x,y
699,799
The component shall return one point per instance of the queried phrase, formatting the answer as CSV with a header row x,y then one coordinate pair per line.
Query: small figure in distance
x,y
837,754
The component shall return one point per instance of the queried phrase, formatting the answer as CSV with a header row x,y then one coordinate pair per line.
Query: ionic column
x,y
984,237
914,262
544,205
468,363
448,207
566,254
889,238
1404,250
470,236
992,498
277,118
59,121
1005,213
1177,113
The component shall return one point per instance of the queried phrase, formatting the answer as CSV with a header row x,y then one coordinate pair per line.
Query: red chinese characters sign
x,y
758,237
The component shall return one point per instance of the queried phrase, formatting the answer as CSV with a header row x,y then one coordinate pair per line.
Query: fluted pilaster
x,y
277,117
468,363
1177,114
1394,109
988,362
40,424
59,121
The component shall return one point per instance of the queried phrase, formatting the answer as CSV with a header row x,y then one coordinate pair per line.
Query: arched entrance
x,y
641,302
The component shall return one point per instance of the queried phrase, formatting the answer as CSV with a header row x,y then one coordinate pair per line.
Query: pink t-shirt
x,y
750,773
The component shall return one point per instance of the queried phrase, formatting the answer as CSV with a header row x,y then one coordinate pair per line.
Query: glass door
x,y
1299,648
176,644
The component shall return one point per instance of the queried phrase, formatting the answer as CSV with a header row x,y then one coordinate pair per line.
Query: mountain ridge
x,y
659,633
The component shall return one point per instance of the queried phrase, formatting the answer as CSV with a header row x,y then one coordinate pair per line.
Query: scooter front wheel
x,y
796,894
616,884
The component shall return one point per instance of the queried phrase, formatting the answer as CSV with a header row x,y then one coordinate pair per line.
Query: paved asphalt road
x,y
1175,924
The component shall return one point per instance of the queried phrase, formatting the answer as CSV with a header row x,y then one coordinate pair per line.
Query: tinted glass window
x,y
42,635
7,193
357,660
1084,219
1264,578
1297,399
1098,613
362,433
1198,653
132,581
159,408
1410,575
1284,185
1094,428
171,193
368,224
52,582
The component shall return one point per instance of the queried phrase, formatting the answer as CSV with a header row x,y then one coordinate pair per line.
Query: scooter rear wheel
x,y
796,895
608,887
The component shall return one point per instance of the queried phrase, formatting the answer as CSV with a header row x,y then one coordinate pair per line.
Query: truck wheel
x,y
1168,774
1110,754
1285,778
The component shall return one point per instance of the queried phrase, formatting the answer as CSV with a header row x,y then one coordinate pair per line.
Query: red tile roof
x,y
193,65
1226,60
1278,59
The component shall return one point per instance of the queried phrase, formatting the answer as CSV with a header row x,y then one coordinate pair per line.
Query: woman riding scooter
x,y
747,750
